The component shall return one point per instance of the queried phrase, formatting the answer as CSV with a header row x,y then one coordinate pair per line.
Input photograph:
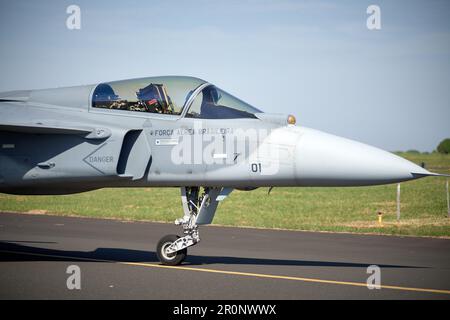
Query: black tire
x,y
169,260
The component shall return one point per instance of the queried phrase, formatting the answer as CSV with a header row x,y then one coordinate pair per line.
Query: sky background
x,y
314,59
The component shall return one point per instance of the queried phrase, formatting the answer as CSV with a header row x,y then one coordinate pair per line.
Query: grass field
x,y
423,205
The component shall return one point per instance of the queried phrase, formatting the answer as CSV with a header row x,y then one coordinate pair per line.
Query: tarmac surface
x,y
117,260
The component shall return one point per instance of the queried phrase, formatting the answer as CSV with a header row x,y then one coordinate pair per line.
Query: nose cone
x,y
326,160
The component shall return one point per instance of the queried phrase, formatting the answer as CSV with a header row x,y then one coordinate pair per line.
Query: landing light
x,y
291,119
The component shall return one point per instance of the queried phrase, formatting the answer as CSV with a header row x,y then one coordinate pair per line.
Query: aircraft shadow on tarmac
x,y
129,255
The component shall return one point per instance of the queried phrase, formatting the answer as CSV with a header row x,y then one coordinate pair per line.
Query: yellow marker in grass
x,y
380,218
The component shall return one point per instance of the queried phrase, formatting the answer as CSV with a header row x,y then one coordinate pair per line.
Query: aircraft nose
x,y
326,160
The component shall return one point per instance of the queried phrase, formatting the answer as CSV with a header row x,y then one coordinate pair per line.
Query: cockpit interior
x,y
171,96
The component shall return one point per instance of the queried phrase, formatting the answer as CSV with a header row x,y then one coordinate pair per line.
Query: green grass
x,y
423,205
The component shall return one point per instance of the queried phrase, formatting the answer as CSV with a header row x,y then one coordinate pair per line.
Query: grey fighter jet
x,y
173,132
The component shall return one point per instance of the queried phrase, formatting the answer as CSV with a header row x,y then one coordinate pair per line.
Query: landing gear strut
x,y
199,208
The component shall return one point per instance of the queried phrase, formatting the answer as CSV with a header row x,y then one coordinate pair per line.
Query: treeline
x,y
443,148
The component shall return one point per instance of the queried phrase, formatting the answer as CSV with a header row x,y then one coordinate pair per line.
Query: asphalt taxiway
x,y
117,260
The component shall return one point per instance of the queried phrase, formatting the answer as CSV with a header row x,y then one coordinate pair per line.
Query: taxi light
x,y
291,119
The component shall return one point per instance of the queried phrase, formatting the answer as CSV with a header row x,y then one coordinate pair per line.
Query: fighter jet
x,y
173,131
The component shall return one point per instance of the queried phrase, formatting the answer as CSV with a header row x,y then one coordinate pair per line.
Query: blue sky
x,y
314,59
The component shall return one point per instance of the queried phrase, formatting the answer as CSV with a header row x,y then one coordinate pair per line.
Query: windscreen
x,y
214,103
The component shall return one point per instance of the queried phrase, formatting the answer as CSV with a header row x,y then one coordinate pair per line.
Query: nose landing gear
x,y
199,209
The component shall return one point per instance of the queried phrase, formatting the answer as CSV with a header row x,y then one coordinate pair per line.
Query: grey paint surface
x,y
408,262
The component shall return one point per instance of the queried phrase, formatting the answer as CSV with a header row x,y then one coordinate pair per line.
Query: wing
x,y
42,127
19,116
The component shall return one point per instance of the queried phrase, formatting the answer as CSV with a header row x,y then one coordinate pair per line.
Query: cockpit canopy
x,y
171,96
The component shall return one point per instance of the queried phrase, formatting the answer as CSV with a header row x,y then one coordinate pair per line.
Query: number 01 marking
x,y
256,167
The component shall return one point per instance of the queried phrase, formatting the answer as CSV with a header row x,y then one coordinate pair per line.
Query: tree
x,y
444,146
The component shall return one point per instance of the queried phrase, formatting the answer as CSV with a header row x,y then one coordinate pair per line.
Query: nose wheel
x,y
165,256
